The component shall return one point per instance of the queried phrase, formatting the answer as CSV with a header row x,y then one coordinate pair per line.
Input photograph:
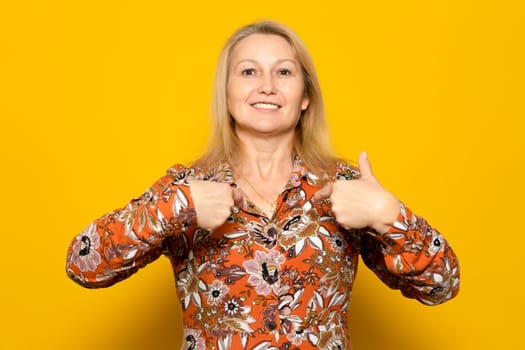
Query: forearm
x,y
119,243
416,259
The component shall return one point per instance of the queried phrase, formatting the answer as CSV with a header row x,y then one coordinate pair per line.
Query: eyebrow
x,y
294,62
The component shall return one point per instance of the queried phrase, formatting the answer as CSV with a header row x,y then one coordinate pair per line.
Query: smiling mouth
x,y
263,105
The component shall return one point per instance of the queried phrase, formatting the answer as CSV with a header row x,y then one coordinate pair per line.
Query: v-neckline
x,y
293,181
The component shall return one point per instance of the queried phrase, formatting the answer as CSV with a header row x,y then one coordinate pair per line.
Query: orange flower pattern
x,y
256,282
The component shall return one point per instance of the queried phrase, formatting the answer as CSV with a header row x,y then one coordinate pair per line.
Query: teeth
x,y
265,105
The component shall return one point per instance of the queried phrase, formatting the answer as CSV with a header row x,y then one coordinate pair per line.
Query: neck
x,y
264,167
265,158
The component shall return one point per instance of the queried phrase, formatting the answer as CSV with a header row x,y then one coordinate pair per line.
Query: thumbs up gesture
x,y
213,202
362,202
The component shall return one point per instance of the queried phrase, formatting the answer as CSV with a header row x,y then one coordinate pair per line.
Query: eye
x,y
285,72
248,72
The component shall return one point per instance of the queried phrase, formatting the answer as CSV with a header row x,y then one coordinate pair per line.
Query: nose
x,y
267,85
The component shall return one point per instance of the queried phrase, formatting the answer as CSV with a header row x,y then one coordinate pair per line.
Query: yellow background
x,y
99,98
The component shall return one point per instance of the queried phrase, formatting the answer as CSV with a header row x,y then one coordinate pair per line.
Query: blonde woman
x,y
265,229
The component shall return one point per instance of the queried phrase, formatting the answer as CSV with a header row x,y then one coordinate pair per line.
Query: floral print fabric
x,y
257,282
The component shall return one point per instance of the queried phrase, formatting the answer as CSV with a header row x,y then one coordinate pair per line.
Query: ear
x,y
305,103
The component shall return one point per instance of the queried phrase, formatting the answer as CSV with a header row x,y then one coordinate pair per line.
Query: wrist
x,y
387,213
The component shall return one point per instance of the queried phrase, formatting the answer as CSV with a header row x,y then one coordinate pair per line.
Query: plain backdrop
x,y
99,98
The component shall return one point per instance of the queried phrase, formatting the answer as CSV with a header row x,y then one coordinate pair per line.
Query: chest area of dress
x,y
299,244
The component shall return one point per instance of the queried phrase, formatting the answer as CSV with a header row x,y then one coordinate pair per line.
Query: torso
x,y
260,282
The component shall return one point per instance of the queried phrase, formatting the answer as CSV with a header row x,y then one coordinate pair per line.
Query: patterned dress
x,y
257,282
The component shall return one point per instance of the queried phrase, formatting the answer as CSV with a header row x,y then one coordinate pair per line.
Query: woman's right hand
x,y
213,202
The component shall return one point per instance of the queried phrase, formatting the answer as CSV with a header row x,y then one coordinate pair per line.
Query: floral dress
x,y
257,282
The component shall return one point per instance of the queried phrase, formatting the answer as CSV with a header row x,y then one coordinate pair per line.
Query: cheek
x,y
236,93
296,91
230,97
297,95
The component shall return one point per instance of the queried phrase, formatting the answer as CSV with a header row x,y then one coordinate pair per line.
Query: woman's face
x,y
265,86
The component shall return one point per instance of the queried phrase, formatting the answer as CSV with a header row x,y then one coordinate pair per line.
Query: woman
x,y
264,231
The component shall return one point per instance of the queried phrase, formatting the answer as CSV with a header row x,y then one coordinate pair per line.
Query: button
x,y
437,242
272,325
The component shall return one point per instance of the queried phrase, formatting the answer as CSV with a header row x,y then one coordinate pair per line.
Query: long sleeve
x,y
119,243
413,257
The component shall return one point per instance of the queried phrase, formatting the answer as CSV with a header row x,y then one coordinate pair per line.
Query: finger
x,y
323,193
365,168
238,197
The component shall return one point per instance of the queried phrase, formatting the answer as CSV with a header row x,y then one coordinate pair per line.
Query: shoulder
x,y
333,171
182,173
345,171
178,172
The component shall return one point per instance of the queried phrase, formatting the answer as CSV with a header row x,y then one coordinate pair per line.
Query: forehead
x,y
262,47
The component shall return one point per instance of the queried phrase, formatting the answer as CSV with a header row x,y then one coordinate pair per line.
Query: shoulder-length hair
x,y
311,143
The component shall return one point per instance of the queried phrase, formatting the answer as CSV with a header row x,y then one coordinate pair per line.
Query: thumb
x,y
238,197
324,193
365,168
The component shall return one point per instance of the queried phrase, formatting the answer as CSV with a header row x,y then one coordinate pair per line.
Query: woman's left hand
x,y
362,202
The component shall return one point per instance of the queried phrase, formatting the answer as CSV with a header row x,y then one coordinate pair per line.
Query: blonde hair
x,y
311,143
